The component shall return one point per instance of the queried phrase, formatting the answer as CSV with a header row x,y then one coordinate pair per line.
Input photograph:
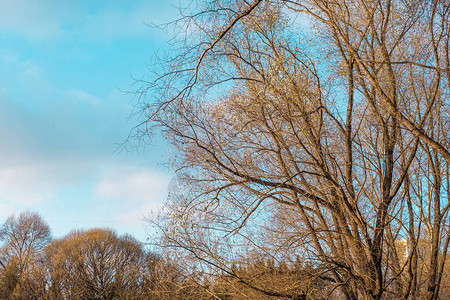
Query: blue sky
x,y
62,114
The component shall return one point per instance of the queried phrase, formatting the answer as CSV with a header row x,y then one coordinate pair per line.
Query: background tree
x,y
95,264
315,129
163,279
22,272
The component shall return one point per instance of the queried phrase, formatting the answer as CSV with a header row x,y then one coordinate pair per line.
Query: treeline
x,y
99,264
91,264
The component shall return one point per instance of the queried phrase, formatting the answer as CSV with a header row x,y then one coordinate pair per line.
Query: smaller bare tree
x,y
22,240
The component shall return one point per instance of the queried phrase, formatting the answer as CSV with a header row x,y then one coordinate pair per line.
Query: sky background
x,y
62,113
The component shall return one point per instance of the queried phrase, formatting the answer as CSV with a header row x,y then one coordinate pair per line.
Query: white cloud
x,y
138,186
80,95
71,193
130,194
32,183
22,185
6,209
34,19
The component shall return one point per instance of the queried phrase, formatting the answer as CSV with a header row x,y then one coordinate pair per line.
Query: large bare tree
x,y
312,129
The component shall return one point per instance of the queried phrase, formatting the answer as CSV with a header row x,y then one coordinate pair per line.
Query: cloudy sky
x,y
62,114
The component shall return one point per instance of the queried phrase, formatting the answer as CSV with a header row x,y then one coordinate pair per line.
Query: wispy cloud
x,y
139,186
80,95
23,185
35,19
132,193
31,184
47,19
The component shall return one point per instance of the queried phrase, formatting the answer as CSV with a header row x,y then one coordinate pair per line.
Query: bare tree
x,y
22,272
95,264
315,129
